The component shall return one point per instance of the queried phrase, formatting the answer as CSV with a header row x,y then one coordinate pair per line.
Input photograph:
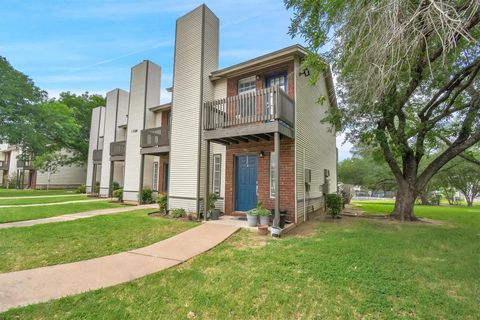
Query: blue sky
x,y
90,45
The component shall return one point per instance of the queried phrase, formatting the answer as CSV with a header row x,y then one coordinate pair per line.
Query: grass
x,y
37,212
26,193
351,269
55,243
21,201
459,214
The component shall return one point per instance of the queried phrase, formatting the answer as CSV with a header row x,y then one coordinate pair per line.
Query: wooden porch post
x,y
276,220
207,180
140,187
110,182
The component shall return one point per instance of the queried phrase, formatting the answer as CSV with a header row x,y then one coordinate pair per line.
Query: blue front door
x,y
246,182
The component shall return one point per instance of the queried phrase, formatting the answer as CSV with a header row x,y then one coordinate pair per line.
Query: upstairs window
x,y
247,85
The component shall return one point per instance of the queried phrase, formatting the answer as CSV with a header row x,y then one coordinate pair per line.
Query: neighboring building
x,y
21,174
254,129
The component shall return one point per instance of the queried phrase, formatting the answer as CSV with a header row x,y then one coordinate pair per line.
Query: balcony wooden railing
x,y
97,155
24,164
155,137
270,104
117,148
3,165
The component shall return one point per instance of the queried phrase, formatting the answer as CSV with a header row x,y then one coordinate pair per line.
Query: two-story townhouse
x,y
249,132
18,171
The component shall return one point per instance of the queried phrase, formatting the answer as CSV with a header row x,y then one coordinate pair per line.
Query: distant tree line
x,y
44,128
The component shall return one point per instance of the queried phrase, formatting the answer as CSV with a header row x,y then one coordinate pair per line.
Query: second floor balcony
x,y
117,148
253,114
24,164
97,155
155,140
3,165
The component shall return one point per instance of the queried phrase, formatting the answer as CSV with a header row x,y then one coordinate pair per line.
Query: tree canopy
x,y
52,131
407,79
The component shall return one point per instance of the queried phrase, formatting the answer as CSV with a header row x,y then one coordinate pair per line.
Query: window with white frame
x,y
217,173
273,157
247,85
155,176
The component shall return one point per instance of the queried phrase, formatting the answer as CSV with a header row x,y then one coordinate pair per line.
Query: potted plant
x,y
212,200
252,218
264,215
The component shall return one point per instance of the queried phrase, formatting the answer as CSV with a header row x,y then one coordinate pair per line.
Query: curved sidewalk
x,y
42,284
75,216
51,203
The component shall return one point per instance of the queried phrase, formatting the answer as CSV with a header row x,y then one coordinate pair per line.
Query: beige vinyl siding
x,y
144,93
186,102
219,92
93,144
110,129
65,177
122,112
315,144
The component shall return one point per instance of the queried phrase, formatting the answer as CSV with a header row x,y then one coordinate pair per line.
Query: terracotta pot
x,y
263,229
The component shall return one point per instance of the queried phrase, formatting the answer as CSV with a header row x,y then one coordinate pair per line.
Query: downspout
x,y
304,190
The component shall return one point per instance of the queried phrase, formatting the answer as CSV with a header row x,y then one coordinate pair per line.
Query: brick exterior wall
x,y
261,74
287,174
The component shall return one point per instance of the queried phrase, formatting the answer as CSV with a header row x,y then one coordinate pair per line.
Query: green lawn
x,y
55,243
459,214
37,212
25,193
20,201
352,268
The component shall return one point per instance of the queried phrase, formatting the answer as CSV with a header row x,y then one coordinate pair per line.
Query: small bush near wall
x,y
178,213
12,181
96,188
115,185
81,189
334,204
147,196
162,202
118,194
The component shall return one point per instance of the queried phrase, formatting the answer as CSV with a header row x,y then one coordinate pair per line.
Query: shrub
x,y
115,185
435,199
81,189
118,194
147,195
260,210
178,213
212,200
96,188
334,204
12,181
162,202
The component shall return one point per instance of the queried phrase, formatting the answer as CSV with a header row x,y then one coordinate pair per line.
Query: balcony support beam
x,y
276,219
207,180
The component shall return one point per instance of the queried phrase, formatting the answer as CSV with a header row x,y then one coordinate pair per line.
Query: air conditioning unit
x,y
326,173
325,188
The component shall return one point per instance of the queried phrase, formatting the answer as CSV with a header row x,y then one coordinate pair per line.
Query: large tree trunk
x,y
404,203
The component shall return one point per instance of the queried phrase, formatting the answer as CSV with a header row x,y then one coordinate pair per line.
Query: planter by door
x,y
246,182
252,220
264,220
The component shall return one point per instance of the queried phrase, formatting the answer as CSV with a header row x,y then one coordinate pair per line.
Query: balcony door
x,y
278,79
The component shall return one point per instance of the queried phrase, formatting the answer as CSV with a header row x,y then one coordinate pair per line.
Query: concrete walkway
x,y
45,196
75,216
52,203
39,285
